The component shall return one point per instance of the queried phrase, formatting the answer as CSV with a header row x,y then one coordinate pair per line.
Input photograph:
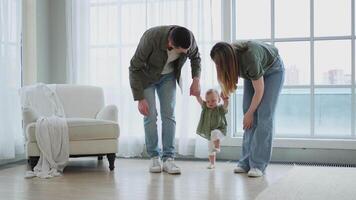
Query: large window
x,y
316,39
103,36
11,137
115,28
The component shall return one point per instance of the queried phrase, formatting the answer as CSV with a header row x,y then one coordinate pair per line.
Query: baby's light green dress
x,y
211,119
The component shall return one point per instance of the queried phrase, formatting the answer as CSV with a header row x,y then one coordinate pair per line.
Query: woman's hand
x,y
224,98
226,101
258,86
248,120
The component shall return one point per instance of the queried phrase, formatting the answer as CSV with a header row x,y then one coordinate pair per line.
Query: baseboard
x,y
288,155
299,155
18,158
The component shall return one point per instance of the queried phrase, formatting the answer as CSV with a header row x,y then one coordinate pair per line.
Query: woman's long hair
x,y
224,56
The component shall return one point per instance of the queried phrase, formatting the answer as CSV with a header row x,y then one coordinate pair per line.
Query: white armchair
x,y
92,127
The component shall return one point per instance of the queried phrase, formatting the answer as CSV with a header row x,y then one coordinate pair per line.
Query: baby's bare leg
x,y
217,144
211,152
212,159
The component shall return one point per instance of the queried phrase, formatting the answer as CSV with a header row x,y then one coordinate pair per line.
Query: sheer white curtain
x,y
11,137
102,37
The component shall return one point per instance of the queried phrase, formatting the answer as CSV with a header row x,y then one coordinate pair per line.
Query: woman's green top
x,y
254,58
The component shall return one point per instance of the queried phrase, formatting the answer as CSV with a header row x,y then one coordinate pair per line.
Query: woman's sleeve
x,y
254,69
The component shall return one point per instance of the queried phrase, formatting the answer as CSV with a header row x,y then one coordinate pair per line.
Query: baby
x,y
212,124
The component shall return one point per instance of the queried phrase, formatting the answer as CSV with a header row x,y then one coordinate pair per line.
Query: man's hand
x,y
143,107
195,87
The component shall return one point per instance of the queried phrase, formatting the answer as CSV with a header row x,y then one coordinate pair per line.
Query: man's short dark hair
x,y
181,37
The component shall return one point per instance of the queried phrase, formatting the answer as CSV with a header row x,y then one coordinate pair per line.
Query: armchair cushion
x,y
109,112
83,129
29,116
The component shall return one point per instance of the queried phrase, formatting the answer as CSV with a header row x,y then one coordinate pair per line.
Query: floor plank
x,y
87,178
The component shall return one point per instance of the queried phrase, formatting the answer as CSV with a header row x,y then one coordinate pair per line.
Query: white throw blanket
x,y
51,130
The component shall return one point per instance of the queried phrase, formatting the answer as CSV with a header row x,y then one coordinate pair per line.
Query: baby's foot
x,y
211,166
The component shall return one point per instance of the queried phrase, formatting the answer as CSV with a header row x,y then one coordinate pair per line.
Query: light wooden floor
x,y
86,178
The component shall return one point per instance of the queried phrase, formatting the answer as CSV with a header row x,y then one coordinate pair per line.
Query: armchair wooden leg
x,y
33,160
100,157
111,159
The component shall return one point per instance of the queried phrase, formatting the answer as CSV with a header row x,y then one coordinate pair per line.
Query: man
x,y
156,67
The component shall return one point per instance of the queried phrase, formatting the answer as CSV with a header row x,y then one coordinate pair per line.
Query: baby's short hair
x,y
211,91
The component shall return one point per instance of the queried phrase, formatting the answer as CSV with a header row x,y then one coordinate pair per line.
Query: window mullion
x,y
312,82
272,23
353,103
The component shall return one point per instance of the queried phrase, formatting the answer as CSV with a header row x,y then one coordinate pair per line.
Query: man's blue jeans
x,y
166,90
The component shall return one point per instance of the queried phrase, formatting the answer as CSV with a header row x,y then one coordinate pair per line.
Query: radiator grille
x,y
317,164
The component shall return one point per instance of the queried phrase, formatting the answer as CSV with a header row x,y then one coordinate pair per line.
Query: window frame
x,y
290,141
228,34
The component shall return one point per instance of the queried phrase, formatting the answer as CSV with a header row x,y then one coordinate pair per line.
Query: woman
x,y
262,69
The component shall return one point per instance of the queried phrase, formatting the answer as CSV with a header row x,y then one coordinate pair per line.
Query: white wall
x,y
57,37
43,48
44,33
29,42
